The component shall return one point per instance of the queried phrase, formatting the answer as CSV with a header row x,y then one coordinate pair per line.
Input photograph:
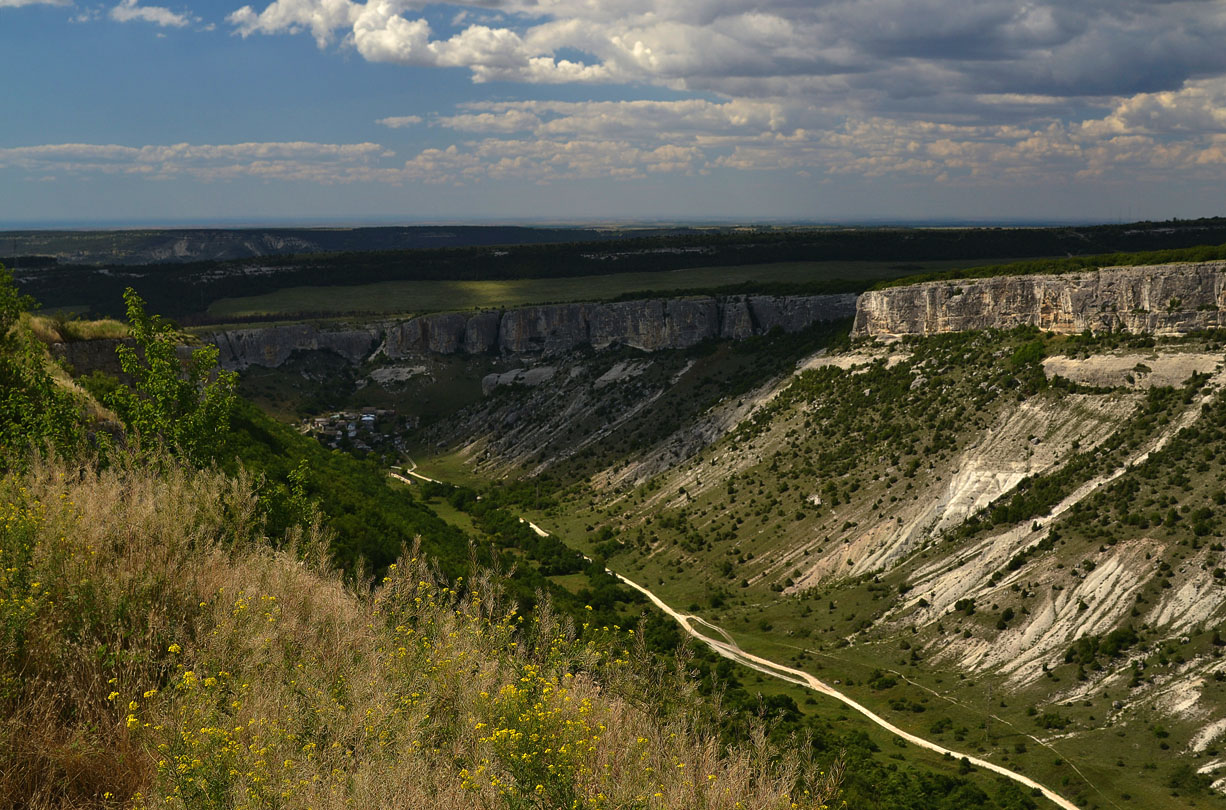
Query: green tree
x,y
34,410
12,303
184,403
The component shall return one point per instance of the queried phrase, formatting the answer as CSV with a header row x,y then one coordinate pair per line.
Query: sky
x,y
211,111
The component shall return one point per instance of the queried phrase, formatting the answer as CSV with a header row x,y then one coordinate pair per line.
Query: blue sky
x,y
599,110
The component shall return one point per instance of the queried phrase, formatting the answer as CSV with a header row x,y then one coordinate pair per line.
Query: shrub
x,y
185,405
34,409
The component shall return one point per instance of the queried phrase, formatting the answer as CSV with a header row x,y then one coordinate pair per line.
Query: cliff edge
x,y
1158,299
649,324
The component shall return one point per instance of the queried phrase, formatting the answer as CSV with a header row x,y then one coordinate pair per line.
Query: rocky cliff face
x,y
272,346
1161,299
84,356
649,325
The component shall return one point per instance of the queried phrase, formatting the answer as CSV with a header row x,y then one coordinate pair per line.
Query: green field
x,y
405,297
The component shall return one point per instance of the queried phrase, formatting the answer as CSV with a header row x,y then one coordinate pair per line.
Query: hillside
x,y
1005,543
1007,540
253,677
173,636
184,637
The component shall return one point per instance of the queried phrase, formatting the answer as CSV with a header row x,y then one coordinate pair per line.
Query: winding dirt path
x,y
725,646
729,649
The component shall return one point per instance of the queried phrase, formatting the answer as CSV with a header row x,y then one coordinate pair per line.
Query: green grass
x,y
449,514
824,713
401,297
572,582
451,468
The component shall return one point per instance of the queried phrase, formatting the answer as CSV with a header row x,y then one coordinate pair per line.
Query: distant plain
x,y
410,297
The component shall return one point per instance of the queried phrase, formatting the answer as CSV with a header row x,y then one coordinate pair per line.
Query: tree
x,y
34,411
185,404
12,303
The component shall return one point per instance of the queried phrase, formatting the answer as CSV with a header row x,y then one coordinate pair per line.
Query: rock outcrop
x,y
1161,299
272,346
98,354
650,325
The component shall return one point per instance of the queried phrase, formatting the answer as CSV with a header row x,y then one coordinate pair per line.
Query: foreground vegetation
x,y
160,651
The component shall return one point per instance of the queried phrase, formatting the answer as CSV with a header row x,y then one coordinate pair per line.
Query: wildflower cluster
x,y
21,590
540,743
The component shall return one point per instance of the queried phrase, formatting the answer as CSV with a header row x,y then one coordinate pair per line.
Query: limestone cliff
x,y
272,346
1160,299
650,325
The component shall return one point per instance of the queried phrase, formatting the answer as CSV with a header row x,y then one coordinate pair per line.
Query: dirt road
x,y
728,648
723,644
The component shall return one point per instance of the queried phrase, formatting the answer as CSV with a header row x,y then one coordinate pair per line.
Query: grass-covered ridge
x,y
1071,264
434,295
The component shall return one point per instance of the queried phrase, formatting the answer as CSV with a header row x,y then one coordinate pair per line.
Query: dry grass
x,y
94,330
44,328
157,652
59,329
46,331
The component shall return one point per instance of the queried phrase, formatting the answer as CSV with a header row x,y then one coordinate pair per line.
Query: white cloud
x,y
542,160
1197,107
400,121
20,3
129,11
547,141
561,141
891,50
1037,92
511,120
318,162
937,88
321,17
382,35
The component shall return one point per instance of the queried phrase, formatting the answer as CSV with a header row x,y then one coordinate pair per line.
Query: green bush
x,y
185,405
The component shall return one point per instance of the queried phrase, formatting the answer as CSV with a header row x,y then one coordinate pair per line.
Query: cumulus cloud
x,y
886,48
960,93
549,141
541,160
804,64
942,89
1197,107
655,121
129,11
320,17
546,141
